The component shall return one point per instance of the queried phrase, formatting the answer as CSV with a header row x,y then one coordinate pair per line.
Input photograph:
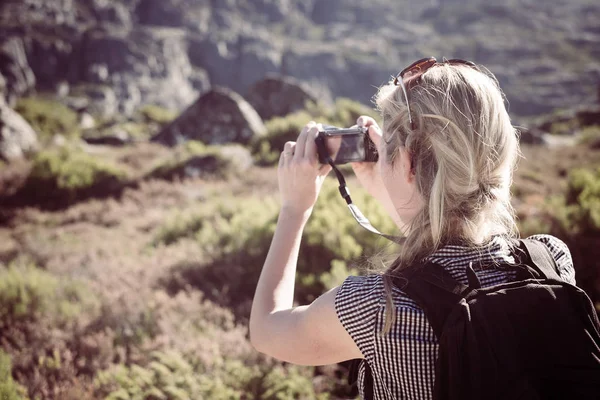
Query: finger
x,y
374,130
324,169
288,150
301,142
310,150
365,121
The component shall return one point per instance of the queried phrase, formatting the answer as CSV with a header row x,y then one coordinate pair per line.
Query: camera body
x,y
345,145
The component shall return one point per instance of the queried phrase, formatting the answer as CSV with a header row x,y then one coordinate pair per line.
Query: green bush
x,y
170,376
64,175
48,117
9,389
583,202
72,169
237,235
193,158
590,136
575,218
157,114
28,293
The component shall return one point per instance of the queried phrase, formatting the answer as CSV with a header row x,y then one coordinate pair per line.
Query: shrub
x,y
157,114
590,137
237,234
28,293
575,218
194,159
583,201
280,130
9,389
170,376
73,170
48,117
41,320
62,176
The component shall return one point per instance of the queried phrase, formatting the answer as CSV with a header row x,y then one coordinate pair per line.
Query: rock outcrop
x,y
278,96
217,117
17,137
19,78
168,52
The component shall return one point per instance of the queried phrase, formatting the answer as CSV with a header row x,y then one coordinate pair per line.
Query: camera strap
x,y
356,213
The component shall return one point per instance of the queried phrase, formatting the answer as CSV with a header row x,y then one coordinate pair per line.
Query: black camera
x,y
345,145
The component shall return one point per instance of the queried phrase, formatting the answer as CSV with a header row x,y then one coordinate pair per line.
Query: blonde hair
x,y
463,151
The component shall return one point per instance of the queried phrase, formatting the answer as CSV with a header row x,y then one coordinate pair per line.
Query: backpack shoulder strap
x,y
434,289
538,257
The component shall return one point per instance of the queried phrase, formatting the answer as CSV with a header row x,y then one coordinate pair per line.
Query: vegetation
x,y
147,295
236,234
156,114
48,117
61,176
193,159
9,389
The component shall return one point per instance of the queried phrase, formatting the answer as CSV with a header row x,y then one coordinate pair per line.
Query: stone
x,y
117,137
217,117
533,136
86,121
160,12
17,137
14,66
589,116
278,96
3,96
102,100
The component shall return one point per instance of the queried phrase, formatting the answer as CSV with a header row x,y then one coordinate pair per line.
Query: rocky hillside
x,y
124,53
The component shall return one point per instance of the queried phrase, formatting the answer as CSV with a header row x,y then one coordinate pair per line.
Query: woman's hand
x,y
368,172
299,173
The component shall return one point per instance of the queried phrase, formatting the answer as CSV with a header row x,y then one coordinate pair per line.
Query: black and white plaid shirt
x,y
403,361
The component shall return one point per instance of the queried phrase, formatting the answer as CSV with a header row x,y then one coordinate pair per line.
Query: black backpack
x,y
535,338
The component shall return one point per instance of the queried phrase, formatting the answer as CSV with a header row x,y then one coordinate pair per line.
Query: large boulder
x,y
278,96
17,137
219,116
15,68
142,66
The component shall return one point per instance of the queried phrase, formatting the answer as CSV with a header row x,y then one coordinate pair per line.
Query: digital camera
x,y
345,145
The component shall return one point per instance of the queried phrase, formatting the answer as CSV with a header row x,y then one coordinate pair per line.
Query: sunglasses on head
x,y
410,76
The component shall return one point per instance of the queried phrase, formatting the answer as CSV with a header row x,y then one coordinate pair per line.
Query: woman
x,y
446,155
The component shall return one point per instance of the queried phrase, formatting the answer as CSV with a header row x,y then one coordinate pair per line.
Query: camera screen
x,y
346,148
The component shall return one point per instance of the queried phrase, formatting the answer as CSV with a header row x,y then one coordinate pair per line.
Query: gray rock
x,y
86,121
101,100
160,12
217,117
112,12
3,94
17,137
142,66
237,60
15,67
117,138
533,136
278,96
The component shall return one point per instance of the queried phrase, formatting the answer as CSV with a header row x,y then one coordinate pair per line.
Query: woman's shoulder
x,y
365,288
357,303
561,254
